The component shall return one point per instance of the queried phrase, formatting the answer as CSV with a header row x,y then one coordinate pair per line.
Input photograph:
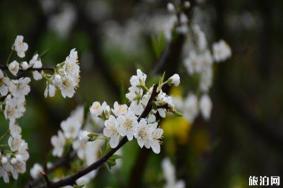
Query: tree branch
x,y
5,67
64,161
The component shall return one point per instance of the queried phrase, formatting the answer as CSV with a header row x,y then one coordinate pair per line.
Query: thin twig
x,y
5,67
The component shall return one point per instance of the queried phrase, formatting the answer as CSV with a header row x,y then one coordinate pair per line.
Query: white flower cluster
x,y
74,134
13,92
14,162
20,46
200,59
66,77
221,51
170,175
125,120
70,130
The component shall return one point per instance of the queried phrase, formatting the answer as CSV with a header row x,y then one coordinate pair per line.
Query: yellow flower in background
x,y
176,92
177,127
201,141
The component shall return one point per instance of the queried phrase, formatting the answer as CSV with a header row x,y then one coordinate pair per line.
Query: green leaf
x,y
158,44
161,82
111,162
92,136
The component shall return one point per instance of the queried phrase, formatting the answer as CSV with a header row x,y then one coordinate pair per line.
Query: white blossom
x,y
164,99
174,79
134,94
69,73
24,65
20,88
205,106
119,109
138,79
143,134
79,144
221,51
136,108
15,130
206,78
198,62
36,170
170,7
14,67
50,90
20,46
156,136
98,110
127,125
183,18
111,130
72,125
14,107
36,75
190,108
35,62
4,172
148,135
187,4
4,82
58,142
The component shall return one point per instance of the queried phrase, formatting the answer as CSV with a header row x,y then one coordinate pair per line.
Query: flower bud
x,y
170,7
4,160
187,4
13,161
14,67
175,80
24,65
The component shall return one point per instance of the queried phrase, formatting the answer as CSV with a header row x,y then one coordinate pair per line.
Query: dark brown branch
x,y
64,161
5,67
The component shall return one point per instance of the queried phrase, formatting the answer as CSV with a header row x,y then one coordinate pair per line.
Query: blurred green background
x,y
245,134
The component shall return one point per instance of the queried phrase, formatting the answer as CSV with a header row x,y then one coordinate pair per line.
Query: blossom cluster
x,y
74,134
122,120
15,86
126,120
66,77
198,60
14,162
